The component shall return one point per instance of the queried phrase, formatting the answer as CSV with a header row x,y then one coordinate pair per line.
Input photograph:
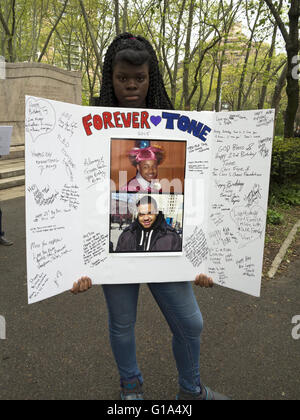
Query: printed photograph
x,y
142,222
149,166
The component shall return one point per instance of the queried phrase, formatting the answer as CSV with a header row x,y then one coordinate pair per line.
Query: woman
x,y
131,78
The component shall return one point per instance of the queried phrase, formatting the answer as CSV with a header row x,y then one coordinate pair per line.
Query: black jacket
x,y
160,238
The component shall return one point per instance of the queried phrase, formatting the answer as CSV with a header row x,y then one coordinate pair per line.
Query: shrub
x,y
285,160
288,194
285,172
274,217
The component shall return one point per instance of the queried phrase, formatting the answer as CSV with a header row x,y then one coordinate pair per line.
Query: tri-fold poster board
x,y
140,195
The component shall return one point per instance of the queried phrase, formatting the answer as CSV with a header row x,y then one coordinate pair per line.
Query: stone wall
x,y
34,79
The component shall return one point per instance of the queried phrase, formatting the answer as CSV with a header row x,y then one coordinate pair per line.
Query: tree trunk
x,y
9,33
176,54
93,39
228,21
245,66
125,16
278,89
52,31
264,88
186,61
291,39
117,17
253,77
218,103
292,88
201,107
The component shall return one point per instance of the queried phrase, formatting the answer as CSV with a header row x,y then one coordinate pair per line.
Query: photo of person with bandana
x,y
146,162
148,166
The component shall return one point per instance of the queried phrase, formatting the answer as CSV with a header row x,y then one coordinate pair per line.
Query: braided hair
x,y
135,50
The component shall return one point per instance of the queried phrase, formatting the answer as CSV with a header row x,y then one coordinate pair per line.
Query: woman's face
x,y
131,84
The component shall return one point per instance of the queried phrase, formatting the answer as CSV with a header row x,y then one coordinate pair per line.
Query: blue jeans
x,y
180,308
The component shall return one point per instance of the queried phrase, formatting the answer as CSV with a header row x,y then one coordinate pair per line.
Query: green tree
x,y
8,21
292,45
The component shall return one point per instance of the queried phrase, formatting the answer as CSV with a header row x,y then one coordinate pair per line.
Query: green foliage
x,y
285,173
287,194
279,124
274,217
168,27
286,160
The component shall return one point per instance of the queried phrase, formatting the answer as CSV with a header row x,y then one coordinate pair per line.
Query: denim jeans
x,y
180,308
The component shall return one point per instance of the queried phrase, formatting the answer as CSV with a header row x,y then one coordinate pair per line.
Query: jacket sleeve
x,y
119,244
177,242
124,243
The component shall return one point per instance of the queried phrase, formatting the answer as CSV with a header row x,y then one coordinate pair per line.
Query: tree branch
x,y
278,19
86,19
117,17
4,24
52,31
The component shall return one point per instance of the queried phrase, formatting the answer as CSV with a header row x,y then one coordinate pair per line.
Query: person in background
x,y
3,240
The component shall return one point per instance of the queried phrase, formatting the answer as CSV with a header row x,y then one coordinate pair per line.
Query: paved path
x,y
59,348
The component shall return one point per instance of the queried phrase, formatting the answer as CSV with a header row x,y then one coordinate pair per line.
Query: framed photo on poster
x,y
147,196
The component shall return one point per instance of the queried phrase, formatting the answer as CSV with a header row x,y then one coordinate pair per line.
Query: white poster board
x,y
77,181
5,139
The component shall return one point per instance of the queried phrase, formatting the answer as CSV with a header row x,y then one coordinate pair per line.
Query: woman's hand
x,y
82,285
204,281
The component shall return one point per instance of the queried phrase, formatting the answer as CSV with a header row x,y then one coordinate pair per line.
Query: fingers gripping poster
x,y
138,196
